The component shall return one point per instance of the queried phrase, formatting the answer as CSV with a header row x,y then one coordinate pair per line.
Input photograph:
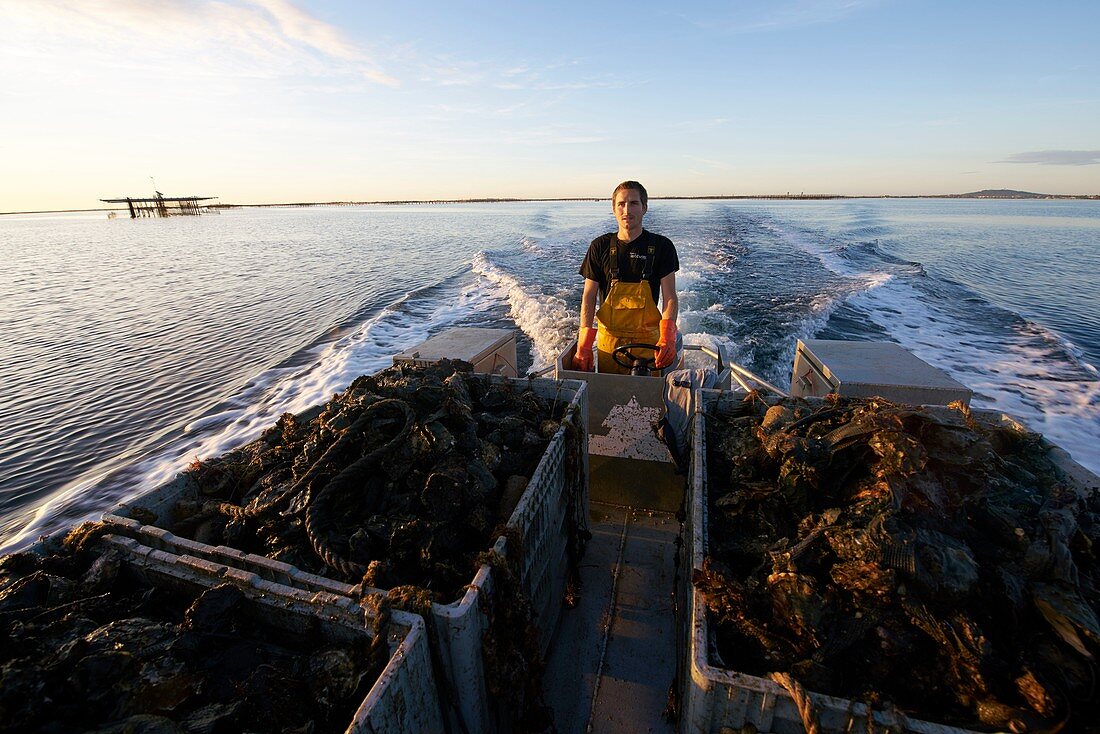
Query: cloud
x,y
448,112
1056,157
542,86
702,125
547,135
511,76
255,38
710,162
380,77
448,73
299,26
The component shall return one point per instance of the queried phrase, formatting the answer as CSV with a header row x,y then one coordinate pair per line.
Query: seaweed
x,y
891,554
408,472
87,644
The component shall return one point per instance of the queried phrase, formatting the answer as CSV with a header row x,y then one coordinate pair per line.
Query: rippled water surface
x,y
133,347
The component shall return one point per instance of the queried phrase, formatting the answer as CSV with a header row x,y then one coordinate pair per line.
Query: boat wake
x,y
753,279
544,316
304,380
1012,364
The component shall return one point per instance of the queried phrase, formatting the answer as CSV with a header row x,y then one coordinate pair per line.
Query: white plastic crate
x,y
403,698
714,697
542,517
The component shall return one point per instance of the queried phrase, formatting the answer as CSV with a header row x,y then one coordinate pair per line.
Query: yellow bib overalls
x,y
627,315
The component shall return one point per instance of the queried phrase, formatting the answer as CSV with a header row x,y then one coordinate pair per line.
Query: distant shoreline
x,y
1008,196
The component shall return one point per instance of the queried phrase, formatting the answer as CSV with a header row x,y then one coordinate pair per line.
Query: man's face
x,y
629,209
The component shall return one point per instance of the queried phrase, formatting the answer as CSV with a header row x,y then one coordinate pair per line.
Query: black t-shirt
x,y
632,261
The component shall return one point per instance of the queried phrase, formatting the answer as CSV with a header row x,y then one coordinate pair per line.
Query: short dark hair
x,y
631,185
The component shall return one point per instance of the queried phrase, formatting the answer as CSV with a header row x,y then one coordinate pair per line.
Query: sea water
x,y
133,347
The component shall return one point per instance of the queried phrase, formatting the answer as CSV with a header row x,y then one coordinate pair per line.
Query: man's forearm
x,y
588,312
588,304
670,302
671,309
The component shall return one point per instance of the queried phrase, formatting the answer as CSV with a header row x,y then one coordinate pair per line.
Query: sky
x,y
266,101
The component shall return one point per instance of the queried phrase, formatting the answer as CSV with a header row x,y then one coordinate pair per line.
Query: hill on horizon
x,y
1004,194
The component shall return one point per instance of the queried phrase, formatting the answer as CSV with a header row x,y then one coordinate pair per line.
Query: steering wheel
x,y
636,365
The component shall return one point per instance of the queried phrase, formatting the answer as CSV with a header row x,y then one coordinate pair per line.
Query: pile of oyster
x,y
402,479
88,645
923,558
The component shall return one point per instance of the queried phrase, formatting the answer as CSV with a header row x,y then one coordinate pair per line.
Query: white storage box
x,y
490,351
868,369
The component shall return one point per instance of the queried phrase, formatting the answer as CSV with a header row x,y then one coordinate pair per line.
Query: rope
x,y
801,700
346,480
256,509
318,506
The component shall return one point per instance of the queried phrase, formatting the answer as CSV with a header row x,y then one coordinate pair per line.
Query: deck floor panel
x,y
613,660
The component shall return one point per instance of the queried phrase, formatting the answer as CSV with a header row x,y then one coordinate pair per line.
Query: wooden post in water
x,y
161,205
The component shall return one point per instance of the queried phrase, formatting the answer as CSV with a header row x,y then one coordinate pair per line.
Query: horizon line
x,y
495,199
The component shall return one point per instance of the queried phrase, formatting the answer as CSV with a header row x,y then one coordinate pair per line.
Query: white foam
x,y
1016,374
1020,374
546,319
369,348
688,277
366,350
830,257
213,419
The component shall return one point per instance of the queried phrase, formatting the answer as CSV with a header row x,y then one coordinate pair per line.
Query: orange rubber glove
x,y
667,344
582,360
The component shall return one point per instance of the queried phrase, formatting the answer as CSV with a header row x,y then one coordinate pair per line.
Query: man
x,y
629,269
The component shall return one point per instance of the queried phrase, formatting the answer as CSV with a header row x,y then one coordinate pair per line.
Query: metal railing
x,y
735,371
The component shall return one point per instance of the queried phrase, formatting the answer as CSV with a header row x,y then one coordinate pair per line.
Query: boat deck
x,y
612,665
